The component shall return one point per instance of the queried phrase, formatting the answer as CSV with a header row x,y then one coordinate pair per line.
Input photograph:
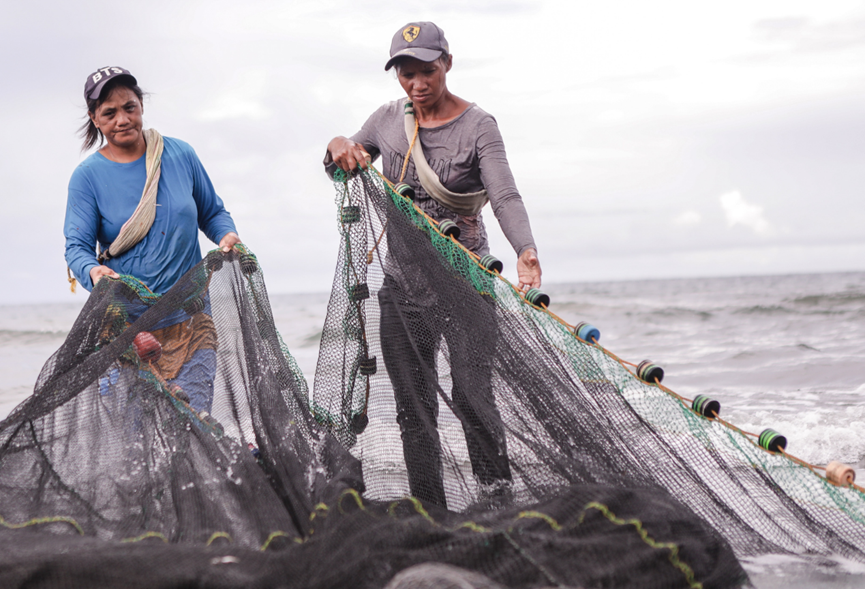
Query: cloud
x,y
688,218
240,99
740,212
803,34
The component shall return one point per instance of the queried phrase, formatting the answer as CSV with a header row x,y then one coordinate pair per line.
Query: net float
x,y
538,298
772,441
214,262
359,292
492,263
587,332
368,366
705,406
359,421
194,305
840,474
405,190
147,347
449,229
248,265
350,214
649,372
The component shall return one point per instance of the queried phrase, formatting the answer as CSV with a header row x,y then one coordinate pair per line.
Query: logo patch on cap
x,y
410,33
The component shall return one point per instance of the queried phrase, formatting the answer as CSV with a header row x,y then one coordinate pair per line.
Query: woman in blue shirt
x,y
106,188
104,192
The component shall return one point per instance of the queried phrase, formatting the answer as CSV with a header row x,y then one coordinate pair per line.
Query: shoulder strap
x,y
462,204
141,221
139,224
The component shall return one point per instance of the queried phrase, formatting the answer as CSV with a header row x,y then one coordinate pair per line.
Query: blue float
x,y
587,332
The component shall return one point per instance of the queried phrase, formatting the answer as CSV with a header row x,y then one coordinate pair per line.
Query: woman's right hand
x,y
98,272
529,269
347,154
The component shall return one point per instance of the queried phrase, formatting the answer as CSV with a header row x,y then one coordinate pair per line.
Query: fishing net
x,y
450,385
172,441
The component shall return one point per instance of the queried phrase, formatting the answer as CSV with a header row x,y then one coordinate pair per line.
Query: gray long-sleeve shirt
x,y
467,154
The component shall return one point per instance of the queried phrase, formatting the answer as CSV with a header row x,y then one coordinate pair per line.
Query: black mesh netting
x,y
451,422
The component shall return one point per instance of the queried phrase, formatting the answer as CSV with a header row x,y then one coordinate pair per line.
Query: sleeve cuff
x,y
85,280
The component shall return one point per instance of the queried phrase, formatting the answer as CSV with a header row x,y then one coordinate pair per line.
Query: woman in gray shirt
x,y
464,148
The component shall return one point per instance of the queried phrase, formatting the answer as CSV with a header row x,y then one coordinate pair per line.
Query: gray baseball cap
x,y
97,80
421,40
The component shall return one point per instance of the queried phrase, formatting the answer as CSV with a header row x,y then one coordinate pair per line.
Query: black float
x,y
705,406
649,372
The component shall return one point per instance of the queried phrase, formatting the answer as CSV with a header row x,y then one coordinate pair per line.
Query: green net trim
x,y
665,412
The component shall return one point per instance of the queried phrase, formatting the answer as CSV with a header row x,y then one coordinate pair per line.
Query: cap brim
x,y
416,53
97,90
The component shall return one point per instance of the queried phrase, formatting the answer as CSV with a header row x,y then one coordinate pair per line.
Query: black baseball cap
x,y
97,80
421,40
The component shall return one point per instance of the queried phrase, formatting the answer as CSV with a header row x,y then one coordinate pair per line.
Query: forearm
x,y
217,227
505,199
514,221
80,229
81,260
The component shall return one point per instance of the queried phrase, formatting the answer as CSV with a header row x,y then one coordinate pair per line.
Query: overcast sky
x,y
649,139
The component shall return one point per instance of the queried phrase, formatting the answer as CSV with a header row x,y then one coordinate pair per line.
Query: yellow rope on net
x,y
42,520
279,534
354,494
644,535
216,535
542,516
145,536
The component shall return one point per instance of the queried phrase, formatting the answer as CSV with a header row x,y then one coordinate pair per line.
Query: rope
x,y
377,241
644,535
137,226
408,153
596,345
466,204
401,178
71,279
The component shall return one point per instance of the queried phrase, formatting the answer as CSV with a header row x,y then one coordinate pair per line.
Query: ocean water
x,y
786,352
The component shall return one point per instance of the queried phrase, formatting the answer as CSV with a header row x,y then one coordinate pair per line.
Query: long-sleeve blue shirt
x,y
103,195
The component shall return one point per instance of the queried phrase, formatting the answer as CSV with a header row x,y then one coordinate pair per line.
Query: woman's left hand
x,y
529,269
230,240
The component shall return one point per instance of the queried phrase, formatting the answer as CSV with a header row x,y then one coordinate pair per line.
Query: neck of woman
x,y
124,154
444,110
